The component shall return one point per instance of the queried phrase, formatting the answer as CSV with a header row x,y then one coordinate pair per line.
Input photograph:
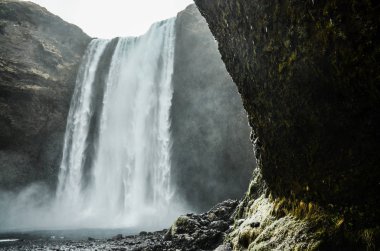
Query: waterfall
x,y
115,169
78,123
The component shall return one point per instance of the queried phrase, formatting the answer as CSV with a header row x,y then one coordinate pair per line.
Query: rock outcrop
x,y
308,73
212,156
39,57
202,231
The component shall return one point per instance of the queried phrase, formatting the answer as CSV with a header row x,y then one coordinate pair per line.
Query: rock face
x,y
39,57
308,74
204,231
212,157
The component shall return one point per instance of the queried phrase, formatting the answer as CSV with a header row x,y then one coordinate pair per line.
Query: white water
x,y
78,122
128,182
130,175
8,240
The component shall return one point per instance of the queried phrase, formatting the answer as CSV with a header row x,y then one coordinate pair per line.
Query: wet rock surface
x,y
189,232
202,231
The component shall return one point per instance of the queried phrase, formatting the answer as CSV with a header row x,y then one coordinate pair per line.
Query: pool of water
x,y
8,240
70,234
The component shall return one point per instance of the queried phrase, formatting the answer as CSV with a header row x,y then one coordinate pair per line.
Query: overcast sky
x,y
112,18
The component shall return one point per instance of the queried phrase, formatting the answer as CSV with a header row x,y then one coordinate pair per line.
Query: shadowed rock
x,y
308,75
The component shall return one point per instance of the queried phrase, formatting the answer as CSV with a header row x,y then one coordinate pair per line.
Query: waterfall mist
x,y
115,169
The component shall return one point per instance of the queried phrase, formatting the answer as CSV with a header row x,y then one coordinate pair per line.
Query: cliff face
x,y
212,157
39,57
308,73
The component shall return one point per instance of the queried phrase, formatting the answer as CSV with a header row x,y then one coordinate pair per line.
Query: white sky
x,y
113,18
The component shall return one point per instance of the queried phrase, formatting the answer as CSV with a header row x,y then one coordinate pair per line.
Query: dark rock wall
x,y
309,76
39,57
212,155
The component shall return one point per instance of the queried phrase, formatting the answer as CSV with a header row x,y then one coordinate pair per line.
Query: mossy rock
x,y
309,76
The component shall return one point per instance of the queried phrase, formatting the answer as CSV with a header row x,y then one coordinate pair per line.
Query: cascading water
x,y
75,145
115,169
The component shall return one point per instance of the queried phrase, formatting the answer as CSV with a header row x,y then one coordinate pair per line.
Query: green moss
x,y
246,237
334,227
369,236
288,62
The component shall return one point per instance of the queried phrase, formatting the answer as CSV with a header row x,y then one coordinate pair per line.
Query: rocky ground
x,y
189,232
